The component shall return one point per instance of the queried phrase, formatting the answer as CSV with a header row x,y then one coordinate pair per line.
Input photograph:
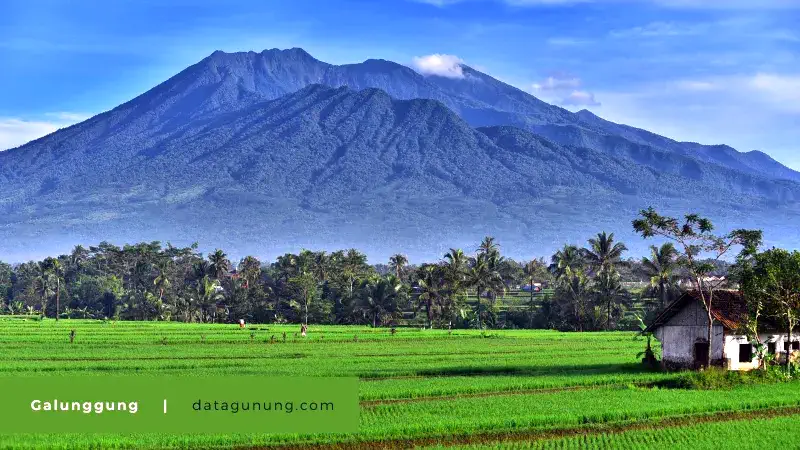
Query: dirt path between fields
x,y
538,435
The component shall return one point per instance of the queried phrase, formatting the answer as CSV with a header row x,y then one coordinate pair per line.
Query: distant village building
x,y
690,283
682,329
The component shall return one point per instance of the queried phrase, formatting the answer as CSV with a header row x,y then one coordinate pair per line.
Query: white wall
x,y
732,343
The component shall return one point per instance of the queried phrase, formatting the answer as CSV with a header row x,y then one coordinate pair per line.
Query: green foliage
x,y
717,378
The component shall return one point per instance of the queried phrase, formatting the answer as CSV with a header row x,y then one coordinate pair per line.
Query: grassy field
x,y
421,388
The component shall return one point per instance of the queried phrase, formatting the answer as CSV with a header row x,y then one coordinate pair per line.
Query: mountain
x,y
480,99
247,153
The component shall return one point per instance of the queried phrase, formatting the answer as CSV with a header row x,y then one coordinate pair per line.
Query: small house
x,y
682,329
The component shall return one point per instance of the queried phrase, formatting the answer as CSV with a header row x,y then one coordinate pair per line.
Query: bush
x,y
717,378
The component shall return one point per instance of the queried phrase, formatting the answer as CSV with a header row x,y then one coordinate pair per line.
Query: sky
x,y
708,71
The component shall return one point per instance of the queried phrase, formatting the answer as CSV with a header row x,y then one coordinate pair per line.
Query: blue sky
x,y
711,71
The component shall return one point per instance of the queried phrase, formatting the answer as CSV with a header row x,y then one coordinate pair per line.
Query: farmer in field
x,y
241,323
303,328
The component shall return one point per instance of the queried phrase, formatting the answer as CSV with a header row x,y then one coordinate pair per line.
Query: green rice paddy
x,y
419,388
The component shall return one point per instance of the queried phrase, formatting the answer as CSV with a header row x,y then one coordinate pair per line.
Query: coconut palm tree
x,y
533,269
219,265
608,289
485,280
321,266
456,269
488,247
250,271
379,298
161,283
397,263
661,267
208,294
569,257
53,272
430,289
603,252
573,290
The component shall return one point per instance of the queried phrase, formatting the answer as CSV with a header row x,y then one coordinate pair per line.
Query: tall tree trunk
x,y
58,295
608,316
306,308
478,309
530,323
429,307
789,338
663,290
709,334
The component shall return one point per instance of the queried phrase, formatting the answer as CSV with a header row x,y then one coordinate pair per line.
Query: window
x,y
771,348
795,346
745,353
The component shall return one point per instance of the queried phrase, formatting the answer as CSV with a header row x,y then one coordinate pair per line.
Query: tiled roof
x,y
727,307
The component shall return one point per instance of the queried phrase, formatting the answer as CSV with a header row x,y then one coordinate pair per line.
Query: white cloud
x,y
661,29
567,42
564,90
552,83
438,64
579,98
781,90
15,131
697,85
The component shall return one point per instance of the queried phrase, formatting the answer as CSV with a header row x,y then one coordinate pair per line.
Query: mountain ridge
x,y
204,156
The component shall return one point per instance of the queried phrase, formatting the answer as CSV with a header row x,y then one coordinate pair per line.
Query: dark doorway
x,y
701,354
771,347
745,353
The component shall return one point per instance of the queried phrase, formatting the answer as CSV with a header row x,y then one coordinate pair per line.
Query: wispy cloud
x,y
556,83
439,64
565,90
15,131
579,98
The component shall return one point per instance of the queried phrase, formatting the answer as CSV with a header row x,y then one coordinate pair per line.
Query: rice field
x,y
419,388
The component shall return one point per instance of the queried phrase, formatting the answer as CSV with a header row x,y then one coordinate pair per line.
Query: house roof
x,y
727,307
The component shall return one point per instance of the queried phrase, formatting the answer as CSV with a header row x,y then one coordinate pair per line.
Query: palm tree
x,y
287,266
608,288
484,279
603,252
208,294
397,263
162,283
456,269
573,287
321,266
379,298
250,270
220,265
53,271
430,289
533,269
354,263
661,268
569,257
488,247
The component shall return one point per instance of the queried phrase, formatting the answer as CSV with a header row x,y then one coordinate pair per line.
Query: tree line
x,y
150,281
